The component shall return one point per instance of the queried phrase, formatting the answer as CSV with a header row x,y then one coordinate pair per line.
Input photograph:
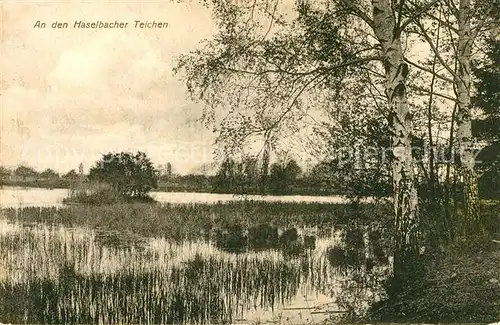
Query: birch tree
x,y
263,61
387,28
466,23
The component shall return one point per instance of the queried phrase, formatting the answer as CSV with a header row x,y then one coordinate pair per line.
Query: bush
x,y
132,176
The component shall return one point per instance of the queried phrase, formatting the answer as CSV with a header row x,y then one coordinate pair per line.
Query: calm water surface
x,y
19,196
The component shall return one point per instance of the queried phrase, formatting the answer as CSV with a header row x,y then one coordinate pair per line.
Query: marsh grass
x,y
164,263
62,275
103,195
188,221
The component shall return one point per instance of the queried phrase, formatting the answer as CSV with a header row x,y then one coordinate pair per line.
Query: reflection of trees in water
x,y
362,262
66,279
352,271
235,239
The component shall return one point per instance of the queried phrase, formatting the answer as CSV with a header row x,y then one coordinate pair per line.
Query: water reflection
x,y
235,239
54,274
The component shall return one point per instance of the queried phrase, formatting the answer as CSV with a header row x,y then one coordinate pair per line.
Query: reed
x,y
187,221
163,263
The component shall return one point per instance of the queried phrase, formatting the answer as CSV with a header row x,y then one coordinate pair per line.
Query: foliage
x,y
274,74
352,182
72,175
487,129
235,176
487,98
129,175
25,172
283,176
243,176
359,164
47,179
186,183
4,173
49,174
238,176
262,75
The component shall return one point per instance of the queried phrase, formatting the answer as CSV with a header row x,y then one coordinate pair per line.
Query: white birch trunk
x,y
470,221
264,171
405,194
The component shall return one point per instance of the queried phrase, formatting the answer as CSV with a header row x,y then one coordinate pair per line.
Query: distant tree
x,y
4,173
169,170
224,179
293,170
237,175
129,175
251,177
283,176
71,175
321,176
24,172
165,172
49,174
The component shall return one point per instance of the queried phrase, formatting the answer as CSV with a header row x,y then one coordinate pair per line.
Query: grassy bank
x,y
105,196
458,284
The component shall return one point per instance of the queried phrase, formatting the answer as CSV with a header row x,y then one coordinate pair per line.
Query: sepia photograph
x,y
250,162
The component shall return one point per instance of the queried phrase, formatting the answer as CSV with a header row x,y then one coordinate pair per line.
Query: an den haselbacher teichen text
x,y
99,24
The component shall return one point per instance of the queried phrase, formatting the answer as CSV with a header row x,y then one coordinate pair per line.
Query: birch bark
x,y
405,194
471,220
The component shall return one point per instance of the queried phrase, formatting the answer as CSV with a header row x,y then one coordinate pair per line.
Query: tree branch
x,y
416,65
294,101
452,30
478,28
453,8
443,22
422,90
360,13
399,25
418,14
305,73
435,50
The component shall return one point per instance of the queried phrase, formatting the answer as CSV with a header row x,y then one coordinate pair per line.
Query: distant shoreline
x,y
162,187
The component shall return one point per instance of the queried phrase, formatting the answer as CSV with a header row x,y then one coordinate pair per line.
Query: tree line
x,y
27,173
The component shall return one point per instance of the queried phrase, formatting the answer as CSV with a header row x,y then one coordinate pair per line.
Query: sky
x,y
69,95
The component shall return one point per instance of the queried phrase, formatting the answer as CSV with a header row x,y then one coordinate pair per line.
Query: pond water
x,y
74,275
31,196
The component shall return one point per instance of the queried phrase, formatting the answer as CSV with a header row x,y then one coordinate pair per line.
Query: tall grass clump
x,y
104,196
